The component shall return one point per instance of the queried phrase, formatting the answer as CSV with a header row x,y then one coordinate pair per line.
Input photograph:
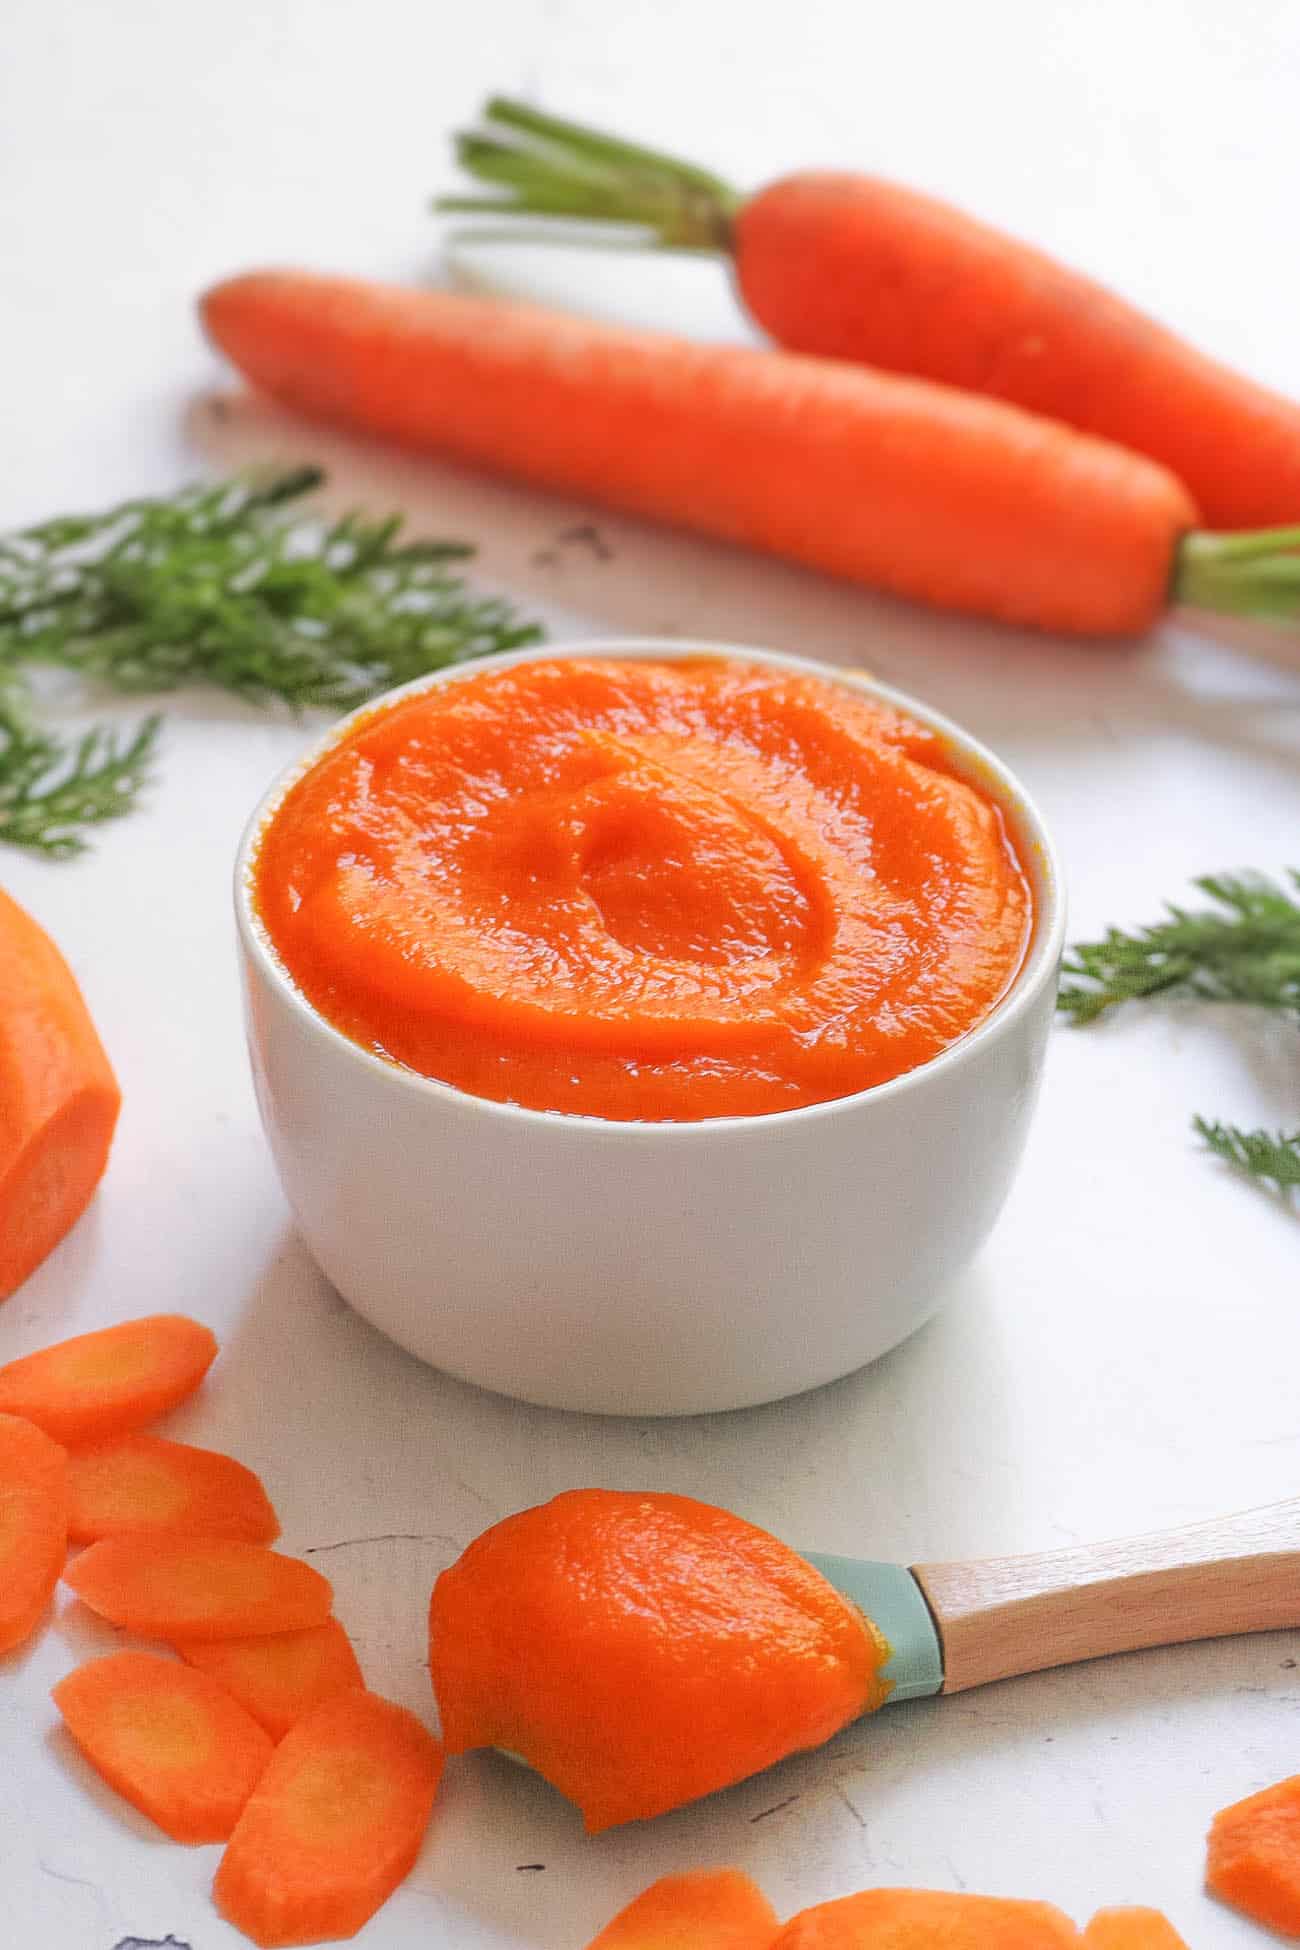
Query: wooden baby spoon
x,y
953,1626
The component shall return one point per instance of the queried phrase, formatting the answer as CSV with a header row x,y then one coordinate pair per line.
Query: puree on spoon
x,y
644,890
640,1650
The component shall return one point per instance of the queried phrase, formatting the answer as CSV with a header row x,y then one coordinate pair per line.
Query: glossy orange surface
x,y
644,890
640,1650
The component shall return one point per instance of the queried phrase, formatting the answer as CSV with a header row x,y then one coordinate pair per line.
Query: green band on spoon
x,y
892,1600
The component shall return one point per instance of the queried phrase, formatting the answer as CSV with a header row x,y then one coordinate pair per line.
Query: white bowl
x,y
649,1268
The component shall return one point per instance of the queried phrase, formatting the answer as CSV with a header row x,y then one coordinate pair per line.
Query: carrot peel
x,y
33,1525
143,1482
280,1677
334,1824
169,1587
110,1381
168,1739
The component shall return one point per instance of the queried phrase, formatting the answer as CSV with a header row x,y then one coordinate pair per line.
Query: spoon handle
x,y
1009,1615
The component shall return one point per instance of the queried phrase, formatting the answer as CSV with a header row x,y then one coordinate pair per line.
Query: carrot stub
x,y
33,1525
706,1909
1132,1929
1254,1856
641,1650
59,1099
144,1482
167,1587
897,483
282,1677
111,1381
333,1825
920,1919
170,1740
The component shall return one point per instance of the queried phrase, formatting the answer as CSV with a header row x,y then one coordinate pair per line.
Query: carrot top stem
x,y
539,165
1255,573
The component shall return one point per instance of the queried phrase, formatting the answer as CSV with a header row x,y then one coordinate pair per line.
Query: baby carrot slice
x,y
108,1382
168,1587
169,1740
1131,1929
918,1919
706,1909
33,1525
144,1482
333,1825
281,1678
1254,1856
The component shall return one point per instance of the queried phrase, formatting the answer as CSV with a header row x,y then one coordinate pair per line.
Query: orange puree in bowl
x,y
644,890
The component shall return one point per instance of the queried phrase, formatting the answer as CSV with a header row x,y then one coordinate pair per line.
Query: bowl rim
x,y
1034,844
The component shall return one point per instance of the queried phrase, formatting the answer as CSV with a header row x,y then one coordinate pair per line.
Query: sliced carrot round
x,y
705,1909
167,1587
144,1482
334,1824
170,1740
281,1678
640,1650
1132,1929
1254,1856
33,1525
920,1919
105,1383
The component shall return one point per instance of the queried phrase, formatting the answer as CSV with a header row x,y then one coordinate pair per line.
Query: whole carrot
x,y
896,483
856,267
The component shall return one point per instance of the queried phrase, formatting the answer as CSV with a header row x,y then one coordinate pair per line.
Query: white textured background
x,y
1124,1355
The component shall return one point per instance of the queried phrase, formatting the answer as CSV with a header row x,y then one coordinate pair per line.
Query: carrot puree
x,y
664,891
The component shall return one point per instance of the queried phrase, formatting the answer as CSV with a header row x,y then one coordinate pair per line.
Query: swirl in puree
x,y
644,890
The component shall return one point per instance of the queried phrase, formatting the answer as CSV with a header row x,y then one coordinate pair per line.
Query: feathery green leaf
x,y
228,584
1244,948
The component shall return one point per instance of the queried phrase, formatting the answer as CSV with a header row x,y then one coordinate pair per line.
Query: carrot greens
x,y
1271,1156
1244,947
231,584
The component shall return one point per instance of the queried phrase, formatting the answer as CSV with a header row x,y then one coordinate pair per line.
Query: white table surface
x,y
1124,1354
